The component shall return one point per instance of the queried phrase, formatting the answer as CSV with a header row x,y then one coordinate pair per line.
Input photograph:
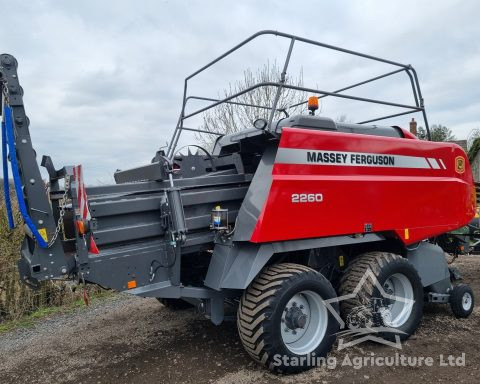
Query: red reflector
x,y
93,247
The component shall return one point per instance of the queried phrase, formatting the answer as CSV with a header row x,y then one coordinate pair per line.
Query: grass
x,y
21,306
30,320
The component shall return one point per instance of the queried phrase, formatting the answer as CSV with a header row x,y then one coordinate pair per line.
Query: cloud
x,y
103,80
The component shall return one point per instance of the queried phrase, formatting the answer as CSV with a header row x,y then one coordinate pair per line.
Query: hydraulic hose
x,y
16,177
6,184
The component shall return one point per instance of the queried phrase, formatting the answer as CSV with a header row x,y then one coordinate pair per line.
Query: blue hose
x,y
16,178
6,184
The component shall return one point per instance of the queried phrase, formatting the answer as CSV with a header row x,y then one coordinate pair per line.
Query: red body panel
x,y
423,193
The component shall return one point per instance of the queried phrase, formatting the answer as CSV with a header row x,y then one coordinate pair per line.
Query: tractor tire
x,y
282,317
396,277
462,301
175,304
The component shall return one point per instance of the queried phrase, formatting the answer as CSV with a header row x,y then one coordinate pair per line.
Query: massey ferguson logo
x,y
460,164
360,159
349,158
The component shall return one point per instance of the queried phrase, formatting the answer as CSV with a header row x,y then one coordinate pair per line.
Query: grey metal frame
x,y
36,198
280,84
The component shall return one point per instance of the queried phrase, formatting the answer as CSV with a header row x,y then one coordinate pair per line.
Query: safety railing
x,y
281,84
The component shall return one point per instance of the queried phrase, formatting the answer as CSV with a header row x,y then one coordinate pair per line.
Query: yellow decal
x,y
341,261
43,233
460,164
407,234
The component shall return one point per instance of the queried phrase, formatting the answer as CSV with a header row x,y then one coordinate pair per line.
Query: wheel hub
x,y
397,311
466,301
295,318
388,287
304,322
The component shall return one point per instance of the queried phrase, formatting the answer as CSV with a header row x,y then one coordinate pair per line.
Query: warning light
x,y
131,284
312,104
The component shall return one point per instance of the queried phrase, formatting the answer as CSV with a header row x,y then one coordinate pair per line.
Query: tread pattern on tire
x,y
355,272
254,308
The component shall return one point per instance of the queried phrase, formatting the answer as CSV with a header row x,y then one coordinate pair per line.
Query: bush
x,y
17,299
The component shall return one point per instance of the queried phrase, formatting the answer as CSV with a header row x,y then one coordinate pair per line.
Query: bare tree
x,y
438,132
228,118
472,137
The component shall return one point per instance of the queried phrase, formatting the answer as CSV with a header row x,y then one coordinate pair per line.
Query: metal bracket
x,y
438,298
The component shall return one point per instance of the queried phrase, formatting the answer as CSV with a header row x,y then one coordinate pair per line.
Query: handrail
x,y
298,38
297,88
410,71
355,85
230,102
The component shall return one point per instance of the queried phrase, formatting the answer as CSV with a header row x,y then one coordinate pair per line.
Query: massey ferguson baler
x,y
301,224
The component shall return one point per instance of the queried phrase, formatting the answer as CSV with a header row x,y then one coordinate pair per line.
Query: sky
x,y
103,80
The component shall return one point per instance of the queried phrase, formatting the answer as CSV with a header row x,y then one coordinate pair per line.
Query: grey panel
x,y
323,242
307,121
370,130
154,171
214,300
121,218
222,258
115,267
327,124
117,207
214,195
134,231
429,260
234,138
235,265
160,186
256,196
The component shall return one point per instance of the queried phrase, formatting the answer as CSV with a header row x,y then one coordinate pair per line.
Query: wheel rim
x,y
466,301
304,322
399,311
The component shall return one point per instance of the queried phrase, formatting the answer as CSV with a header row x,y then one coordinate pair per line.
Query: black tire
x,y
175,304
460,307
383,265
259,316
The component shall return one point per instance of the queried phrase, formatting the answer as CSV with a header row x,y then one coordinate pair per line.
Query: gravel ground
x,y
126,339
